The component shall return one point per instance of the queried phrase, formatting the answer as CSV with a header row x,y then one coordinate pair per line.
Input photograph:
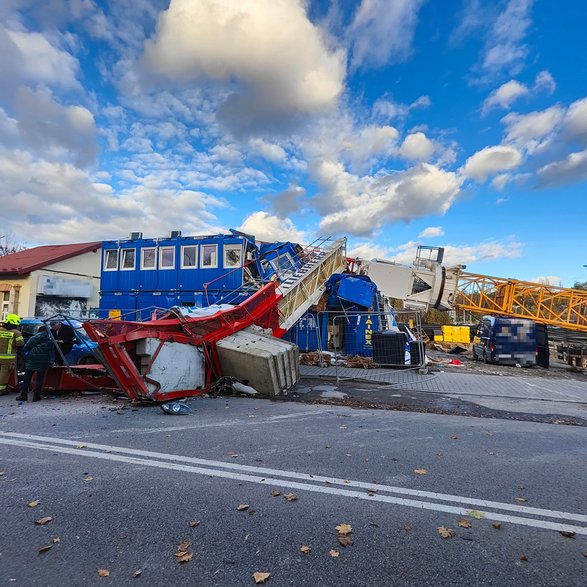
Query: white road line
x,y
31,442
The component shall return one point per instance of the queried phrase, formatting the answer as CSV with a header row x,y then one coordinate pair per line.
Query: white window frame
x,y
107,253
202,249
143,250
195,265
123,252
235,247
161,251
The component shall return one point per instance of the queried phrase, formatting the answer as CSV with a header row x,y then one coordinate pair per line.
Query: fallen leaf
x,y
521,499
371,491
56,540
261,577
584,553
347,481
463,523
43,521
85,446
45,548
232,454
344,529
88,478
567,534
523,557
252,512
421,471
290,496
194,523
305,549
334,553
242,507
103,573
1,473
407,528
276,493
475,514
496,525
137,573
184,557
344,540
183,546
454,436
446,532
34,503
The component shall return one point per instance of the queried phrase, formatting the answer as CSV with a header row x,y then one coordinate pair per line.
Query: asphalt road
x,y
122,485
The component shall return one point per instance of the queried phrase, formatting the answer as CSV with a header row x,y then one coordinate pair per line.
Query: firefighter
x,y
10,339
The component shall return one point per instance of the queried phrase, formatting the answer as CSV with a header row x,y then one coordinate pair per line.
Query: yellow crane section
x,y
555,306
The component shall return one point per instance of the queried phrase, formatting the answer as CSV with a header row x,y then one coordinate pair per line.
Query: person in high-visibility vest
x,y
10,339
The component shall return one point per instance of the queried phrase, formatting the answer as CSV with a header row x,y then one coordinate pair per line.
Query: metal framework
x,y
555,306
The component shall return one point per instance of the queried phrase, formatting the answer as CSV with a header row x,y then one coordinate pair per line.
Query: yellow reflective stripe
x,y
18,338
4,357
5,333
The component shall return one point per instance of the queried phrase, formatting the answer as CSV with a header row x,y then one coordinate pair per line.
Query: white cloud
x,y
431,232
417,147
382,32
270,151
531,131
575,122
572,169
367,250
267,227
505,48
553,280
361,205
490,160
504,96
544,81
500,181
278,57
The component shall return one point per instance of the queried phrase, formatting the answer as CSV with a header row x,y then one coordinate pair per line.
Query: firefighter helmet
x,y
12,319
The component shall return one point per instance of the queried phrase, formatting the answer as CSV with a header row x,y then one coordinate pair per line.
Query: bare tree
x,y
9,245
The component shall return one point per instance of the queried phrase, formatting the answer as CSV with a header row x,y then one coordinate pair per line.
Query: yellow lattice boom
x,y
556,306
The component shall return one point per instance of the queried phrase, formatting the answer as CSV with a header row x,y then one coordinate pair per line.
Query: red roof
x,y
24,262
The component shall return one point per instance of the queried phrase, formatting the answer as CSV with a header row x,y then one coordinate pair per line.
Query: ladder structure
x,y
303,288
555,306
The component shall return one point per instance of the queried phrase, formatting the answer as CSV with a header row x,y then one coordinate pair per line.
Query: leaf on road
x,y
242,507
43,521
305,549
421,471
371,491
194,523
138,573
232,454
344,540
407,528
290,496
184,557
261,577
496,525
523,557
183,546
454,436
103,573
475,514
334,553
276,493
1,473
56,540
34,503
464,523
567,534
446,532
521,499
584,554
83,446
344,529
88,478
45,548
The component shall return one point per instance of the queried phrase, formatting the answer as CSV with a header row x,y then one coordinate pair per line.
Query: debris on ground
x,y
357,362
316,359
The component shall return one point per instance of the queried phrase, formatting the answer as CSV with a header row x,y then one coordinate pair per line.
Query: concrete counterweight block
x,y
269,364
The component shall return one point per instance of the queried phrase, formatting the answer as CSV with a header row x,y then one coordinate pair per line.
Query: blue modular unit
x,y
306,333
358,334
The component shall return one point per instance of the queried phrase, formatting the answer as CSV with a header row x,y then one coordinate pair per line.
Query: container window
x,y
127,262
111,260
233,255
166,257
209,256
149,258
189,257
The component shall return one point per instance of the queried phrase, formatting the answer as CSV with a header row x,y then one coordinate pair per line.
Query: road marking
x,y
90,451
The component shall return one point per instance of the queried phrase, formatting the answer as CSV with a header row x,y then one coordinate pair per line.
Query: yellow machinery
x,y
555,306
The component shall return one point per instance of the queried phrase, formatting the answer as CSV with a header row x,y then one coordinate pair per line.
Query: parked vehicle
x,y
511,341
83,349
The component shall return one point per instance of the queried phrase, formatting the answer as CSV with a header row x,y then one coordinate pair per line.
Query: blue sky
x,y
460,124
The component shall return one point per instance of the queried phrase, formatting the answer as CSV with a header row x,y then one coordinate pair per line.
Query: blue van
x,y
511,341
